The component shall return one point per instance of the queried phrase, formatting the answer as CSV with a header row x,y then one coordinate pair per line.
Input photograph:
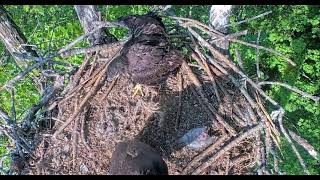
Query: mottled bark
x,y
88,14
13,38
218,18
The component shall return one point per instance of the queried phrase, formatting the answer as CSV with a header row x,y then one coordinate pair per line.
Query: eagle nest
x,y
91,115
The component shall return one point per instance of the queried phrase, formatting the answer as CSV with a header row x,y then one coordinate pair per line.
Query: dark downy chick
x,y
136,158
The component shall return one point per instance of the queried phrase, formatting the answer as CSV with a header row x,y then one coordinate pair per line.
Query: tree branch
x,y
292,88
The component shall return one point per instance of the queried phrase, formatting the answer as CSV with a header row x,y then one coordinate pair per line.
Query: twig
x,y
311,150
275,164
233,142
109,88
239,160
227,166
267,142
292,88
280,116
205,28
217,54
252,118
11,82
13,109
204,153
236,83
95,58
239,59
205,66
77,76
82,132
48,94
197,24
95,88
92,49
247,20
202,61
80,38
260,151
242,119
74,142
81,106
257,55
177,121
264,48
269,123
4,116
230,36
199,89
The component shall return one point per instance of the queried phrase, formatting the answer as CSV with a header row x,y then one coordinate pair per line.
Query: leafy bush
x,y
294,31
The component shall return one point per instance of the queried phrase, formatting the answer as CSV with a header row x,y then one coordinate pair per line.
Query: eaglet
x,y
136,158
147,57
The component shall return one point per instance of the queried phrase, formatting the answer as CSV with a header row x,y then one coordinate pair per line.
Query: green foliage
x,y
293,31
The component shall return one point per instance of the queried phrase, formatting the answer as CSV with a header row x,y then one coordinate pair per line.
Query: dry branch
x,y
97,85
200,92
283,130
247,20
292,88
88,50
193,23
80,38
257,55
205,153
311,150
177,121
239,59
11,82
227,147
264,48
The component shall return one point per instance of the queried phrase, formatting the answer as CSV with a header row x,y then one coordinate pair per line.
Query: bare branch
x,y
231,36
257,55
227,147
13,109
94,89
4,116
204,153
100,24
239,59
10,83
200,92
264,48
92,49
311,150
292,88
247,20
283,130
205,28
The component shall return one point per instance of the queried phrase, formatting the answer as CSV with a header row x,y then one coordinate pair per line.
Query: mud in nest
x,y
159,118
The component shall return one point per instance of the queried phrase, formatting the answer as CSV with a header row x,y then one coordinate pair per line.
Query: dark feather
x,y
148,56
136,158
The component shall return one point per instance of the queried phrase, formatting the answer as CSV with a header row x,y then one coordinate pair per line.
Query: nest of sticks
x,y
90,116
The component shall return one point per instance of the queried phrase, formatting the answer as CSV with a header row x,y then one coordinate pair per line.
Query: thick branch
x,y
88,14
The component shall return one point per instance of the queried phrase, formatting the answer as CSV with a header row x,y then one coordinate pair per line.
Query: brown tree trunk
x,y
87,14
14,41
13,38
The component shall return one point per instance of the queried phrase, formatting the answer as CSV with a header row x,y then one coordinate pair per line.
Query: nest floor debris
x,y
153,118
